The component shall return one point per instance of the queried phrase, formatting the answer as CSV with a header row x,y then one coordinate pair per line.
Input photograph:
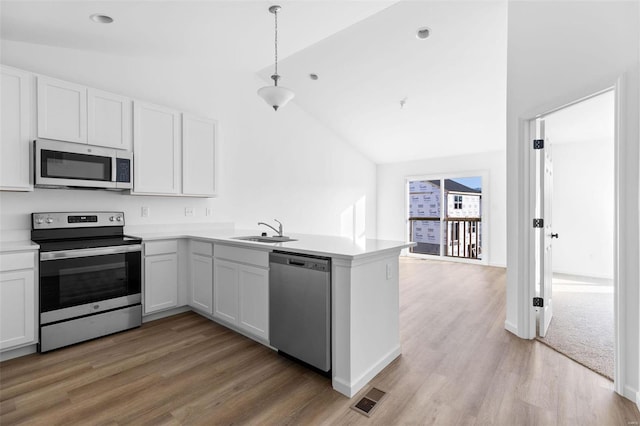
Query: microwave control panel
x,y
123,170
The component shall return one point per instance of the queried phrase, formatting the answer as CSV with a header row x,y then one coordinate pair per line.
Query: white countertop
x,y
22,245
321,245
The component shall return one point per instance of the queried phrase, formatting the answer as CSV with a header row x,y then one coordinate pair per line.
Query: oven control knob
x,y
119,218
112,218
49,220
39,221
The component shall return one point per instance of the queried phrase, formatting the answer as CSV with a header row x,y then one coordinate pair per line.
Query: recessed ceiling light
x,y
423,33
313,76
101,19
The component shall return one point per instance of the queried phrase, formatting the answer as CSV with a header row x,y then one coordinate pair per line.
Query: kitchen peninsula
x,y
365,334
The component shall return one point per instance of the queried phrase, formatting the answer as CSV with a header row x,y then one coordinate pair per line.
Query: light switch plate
x,y
208,211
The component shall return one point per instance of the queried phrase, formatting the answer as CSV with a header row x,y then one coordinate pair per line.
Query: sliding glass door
x,y
445,216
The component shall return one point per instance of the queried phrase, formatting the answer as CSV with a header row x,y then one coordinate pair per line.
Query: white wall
x,y
583,208
392,187
559,52
282,165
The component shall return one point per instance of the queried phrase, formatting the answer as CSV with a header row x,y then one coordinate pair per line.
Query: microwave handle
x,y
100,251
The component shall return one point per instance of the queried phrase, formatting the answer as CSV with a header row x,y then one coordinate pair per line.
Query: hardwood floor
x,y
458,366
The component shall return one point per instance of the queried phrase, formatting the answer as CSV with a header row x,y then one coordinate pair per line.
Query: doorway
x,y
582,137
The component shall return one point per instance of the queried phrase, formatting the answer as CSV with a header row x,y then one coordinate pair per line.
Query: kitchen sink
x,y
264,239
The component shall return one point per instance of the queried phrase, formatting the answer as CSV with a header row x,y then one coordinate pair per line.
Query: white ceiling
x,y
365,52
454,82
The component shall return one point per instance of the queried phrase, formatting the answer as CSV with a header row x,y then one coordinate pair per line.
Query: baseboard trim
x,y
16,353
350,389
631,394
163,314
510,327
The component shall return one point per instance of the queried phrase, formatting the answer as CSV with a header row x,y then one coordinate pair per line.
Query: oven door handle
x,y
100,251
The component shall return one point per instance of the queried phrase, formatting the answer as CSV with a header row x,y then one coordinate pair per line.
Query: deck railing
x,y
462,237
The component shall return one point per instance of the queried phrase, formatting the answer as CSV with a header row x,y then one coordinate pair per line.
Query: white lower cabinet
x,y
160,276
201,273
253,298
225,294
17,300
241,290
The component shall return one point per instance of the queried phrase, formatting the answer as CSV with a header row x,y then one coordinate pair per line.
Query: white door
x,y
545,188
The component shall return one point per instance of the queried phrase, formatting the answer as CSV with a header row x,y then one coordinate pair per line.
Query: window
x,y
445,217
457,202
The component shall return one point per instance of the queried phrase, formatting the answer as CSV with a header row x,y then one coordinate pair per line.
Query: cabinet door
x,y
198,156
202,283
17,308
253,286
225,290
109,119
62,110
160,282
156,147
15,135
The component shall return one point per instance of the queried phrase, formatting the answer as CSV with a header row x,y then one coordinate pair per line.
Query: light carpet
x,y
582,323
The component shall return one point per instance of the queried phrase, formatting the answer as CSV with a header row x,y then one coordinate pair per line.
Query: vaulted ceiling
x,y
366,54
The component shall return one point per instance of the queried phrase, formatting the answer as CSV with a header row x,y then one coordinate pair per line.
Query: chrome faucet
x,y
279,230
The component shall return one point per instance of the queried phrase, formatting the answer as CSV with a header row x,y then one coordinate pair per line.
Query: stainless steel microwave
x,y
64,164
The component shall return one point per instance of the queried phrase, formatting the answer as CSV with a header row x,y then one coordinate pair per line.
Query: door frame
x,y
527,316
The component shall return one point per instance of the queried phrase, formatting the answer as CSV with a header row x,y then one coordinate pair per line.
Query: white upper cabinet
x,y
156,149
15,129
109,119
198,156
62,110
74,113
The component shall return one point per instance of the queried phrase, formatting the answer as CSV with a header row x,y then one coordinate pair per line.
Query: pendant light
x,y
276,96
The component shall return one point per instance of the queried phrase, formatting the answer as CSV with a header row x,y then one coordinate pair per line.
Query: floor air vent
x,y
368,403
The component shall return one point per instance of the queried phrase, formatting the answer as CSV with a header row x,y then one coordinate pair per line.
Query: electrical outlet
x,y
188,211
145,212
208,211
388,271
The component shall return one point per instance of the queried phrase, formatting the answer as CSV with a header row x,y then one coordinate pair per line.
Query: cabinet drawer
x,y
160,247
15,261
243,255
200,247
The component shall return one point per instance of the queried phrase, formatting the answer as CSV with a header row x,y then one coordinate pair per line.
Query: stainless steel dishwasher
x,y
300,307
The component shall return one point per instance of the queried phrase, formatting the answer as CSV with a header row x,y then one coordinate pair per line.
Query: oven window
x,y
69,165
72,282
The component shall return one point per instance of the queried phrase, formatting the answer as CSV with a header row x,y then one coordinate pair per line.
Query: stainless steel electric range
x,y
90,276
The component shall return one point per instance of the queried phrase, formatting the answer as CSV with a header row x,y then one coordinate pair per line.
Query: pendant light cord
x,y
276,47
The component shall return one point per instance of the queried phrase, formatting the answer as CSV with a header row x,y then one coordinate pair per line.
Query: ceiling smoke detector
x,y
101,19
313,76
423,33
